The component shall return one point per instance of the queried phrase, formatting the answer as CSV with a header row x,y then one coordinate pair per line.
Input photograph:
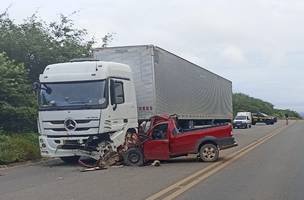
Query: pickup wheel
x,y
134,157
209,153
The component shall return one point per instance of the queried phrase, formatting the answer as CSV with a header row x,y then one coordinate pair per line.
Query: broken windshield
x,y
84,94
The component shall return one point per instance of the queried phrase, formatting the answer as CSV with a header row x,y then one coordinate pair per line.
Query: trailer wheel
x,y
134,157
209,153
70,159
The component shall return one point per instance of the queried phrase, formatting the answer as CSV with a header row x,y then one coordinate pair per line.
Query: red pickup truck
x,y
164,140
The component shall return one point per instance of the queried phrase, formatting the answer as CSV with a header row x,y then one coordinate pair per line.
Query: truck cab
x,y
82,100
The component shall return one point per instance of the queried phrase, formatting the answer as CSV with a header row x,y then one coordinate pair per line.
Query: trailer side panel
x,y
189,90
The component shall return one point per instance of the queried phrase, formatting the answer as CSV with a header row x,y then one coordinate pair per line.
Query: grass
x,y
18,147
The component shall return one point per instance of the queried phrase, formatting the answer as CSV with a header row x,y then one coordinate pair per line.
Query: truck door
x,y
158,147
122,108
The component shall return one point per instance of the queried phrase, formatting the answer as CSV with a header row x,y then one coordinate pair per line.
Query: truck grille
x,y
83,126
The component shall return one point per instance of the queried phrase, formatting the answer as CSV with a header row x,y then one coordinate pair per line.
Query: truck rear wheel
x,y
209,153
134,157
70,159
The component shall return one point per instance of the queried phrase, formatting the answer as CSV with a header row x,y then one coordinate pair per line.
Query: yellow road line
x,y
188,182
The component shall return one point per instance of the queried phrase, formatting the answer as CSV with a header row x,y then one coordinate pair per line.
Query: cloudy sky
x,y
257,44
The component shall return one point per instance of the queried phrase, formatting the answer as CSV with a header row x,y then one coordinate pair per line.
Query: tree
x,y
17,101
37,44
243,102
108,38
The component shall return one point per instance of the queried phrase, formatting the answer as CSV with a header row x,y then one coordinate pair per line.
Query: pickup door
x,y
158,147
184,143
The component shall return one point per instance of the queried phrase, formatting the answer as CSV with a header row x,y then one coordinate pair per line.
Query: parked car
x,y
242,120
263,118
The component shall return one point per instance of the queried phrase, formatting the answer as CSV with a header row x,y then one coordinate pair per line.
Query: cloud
x,y
233,54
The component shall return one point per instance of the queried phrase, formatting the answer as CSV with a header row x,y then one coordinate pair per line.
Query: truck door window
x,y
160,132
119,92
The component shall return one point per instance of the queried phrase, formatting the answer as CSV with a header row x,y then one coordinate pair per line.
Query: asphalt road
x,y
270,171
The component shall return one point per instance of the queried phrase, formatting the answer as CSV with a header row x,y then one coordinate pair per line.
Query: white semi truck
x,y
87,107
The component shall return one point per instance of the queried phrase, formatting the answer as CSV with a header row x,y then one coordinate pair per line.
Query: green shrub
x,y
18,147
17,101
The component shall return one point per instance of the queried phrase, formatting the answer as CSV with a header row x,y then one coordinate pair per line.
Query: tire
x,y
70,159
249,125
209,153
134,157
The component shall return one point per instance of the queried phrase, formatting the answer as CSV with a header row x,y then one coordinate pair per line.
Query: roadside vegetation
x,y
243,102
18,147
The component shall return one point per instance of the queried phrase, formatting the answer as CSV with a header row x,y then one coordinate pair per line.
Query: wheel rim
x,y
209,153
133,158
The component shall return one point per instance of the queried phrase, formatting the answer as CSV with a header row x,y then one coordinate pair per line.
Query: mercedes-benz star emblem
x,y
70,124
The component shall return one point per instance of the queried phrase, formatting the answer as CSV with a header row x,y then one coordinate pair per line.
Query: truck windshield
x,y
240,117
77,95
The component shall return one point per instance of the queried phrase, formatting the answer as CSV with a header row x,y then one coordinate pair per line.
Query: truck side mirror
x,y
36,86
112,94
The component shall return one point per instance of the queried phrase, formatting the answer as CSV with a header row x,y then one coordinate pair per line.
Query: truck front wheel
x,y
134,157
209,153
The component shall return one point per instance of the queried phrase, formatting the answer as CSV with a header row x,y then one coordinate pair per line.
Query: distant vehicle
x,y
242,120
164,140
263,118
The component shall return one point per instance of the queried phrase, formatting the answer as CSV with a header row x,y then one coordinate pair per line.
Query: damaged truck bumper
x,y
52,147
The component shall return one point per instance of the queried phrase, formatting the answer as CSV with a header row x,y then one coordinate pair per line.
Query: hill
x,y
243,102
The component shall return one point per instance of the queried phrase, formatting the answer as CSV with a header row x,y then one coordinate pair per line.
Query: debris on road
x,y
110,158
156,163
91,169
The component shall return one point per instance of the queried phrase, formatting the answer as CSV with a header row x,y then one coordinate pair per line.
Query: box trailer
x,y
167,83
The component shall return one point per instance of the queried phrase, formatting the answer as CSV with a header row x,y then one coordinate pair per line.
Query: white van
x,y
242,120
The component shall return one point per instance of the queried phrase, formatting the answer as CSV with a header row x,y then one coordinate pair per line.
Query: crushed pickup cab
x,y
164,140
